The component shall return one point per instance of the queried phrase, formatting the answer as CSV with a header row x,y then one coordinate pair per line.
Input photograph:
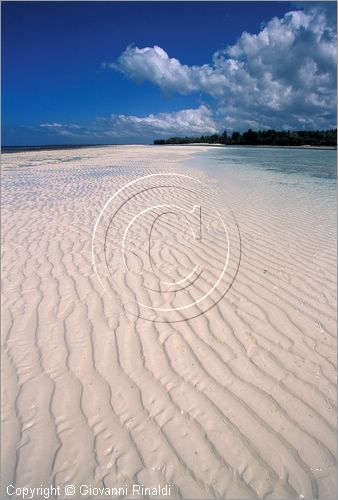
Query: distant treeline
x,y
262,138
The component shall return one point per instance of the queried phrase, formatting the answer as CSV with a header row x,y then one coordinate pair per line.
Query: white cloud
x,y
184,122
51,125
187,121
282,77
65,130
154,64
285,74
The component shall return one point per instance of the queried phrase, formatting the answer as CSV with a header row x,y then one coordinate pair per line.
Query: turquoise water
x,y
309,162
294,184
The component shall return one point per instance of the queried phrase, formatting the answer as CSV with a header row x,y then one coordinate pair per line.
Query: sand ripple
x,y
239,402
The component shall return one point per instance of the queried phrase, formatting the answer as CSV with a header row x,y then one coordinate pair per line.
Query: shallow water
x,y
300,178
317,163
297,186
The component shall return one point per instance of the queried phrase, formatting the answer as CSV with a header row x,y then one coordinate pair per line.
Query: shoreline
x,y
196,144
62,147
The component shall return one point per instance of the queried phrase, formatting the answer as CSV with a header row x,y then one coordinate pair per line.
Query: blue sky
x,y
119,72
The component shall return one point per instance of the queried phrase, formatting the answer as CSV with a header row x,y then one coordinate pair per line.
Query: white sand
x,y
239,402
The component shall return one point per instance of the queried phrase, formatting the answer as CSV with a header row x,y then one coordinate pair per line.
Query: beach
x,y
107,386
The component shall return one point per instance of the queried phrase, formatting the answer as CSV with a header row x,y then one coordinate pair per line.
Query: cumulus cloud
x,y
283,76
183,122
154,64
187,121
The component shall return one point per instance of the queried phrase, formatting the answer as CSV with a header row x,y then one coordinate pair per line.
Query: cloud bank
x,y
185,122
284,76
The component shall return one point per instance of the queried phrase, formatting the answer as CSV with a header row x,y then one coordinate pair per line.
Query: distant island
x,y
315,138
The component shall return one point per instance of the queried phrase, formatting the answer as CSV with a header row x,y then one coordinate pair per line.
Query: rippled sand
x,y
239,402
